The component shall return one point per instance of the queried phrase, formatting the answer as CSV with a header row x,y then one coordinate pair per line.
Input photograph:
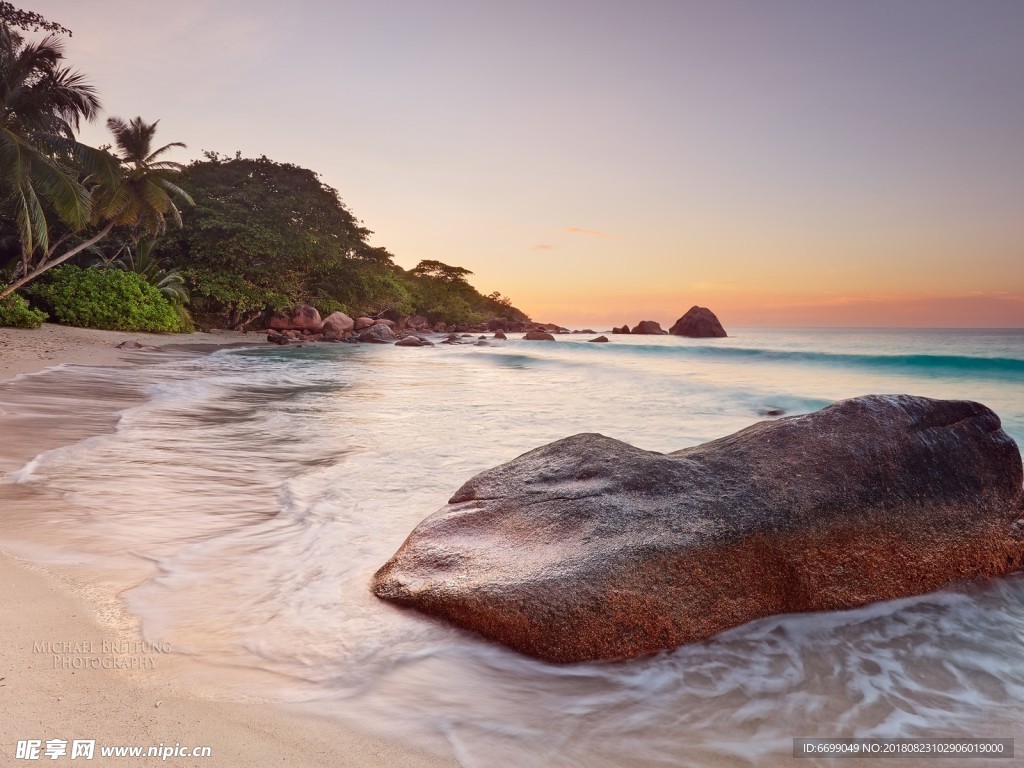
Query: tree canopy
x,y
265,234
42,103
440,271
252,235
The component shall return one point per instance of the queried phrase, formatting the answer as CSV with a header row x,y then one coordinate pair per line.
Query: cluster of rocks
x,y
698,323
589,548
494,325
645,327
303,323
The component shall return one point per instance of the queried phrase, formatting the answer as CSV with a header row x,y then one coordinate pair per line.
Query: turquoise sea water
x,y
267,485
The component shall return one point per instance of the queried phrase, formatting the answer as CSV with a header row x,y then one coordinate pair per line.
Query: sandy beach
x,y
74,666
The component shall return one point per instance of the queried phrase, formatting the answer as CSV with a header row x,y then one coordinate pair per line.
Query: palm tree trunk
x,y
46,265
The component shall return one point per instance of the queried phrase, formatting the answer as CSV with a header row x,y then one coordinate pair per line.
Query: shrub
x,y
327,305
15,313
110,299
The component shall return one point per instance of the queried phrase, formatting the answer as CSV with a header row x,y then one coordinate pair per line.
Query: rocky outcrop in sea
x,y
698,323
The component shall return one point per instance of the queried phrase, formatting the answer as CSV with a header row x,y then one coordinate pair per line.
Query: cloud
x,y
587,232
543,247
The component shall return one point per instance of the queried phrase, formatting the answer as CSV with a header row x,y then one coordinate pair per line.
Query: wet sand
x,y
73,664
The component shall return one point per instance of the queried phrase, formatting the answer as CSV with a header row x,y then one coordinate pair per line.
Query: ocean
x,y
255,491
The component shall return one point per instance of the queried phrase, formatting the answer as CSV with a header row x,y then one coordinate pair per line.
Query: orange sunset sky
x,y
784,163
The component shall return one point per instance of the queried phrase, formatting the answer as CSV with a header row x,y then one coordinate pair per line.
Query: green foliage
x,y
213,290
264,235
42,103
143,260
16,313
441,292
272,226
372,290
328,305
111,299
440,271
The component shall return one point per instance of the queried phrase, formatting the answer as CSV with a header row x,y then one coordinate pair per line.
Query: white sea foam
x,y
267,486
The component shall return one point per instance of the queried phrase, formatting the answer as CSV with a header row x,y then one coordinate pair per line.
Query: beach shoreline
x,y
75,664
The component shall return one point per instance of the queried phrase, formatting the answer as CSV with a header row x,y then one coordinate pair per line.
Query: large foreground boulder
x,y
589,548
698,323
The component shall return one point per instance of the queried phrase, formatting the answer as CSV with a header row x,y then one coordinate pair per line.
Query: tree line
x,y
230,238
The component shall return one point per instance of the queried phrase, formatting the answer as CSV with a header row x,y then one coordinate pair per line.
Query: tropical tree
x,y
438,270
145,196
42,103
133,190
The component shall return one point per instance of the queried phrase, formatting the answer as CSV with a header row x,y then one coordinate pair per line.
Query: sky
x,y
783,162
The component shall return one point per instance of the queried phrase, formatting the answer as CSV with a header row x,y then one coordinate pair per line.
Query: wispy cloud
x,y
587,232
543,247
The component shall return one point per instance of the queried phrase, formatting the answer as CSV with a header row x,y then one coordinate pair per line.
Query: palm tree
x,y
139,194
145,196
42,103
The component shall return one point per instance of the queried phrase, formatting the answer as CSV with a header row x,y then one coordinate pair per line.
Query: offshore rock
x,y
623,329
413,341
698,323
590,548
599,339
649,328
538,336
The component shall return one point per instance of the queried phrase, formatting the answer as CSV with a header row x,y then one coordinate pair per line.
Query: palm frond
x,y
35,223
69,199
151,158
177,191
166,166
103,167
